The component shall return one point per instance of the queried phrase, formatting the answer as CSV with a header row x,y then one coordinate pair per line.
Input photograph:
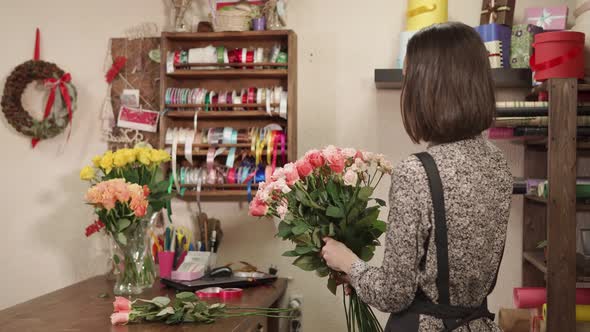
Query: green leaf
x,y
334,212
186,296
331,231
122,224
166,311
301,250
332,190
332,285
380,225
380,202
366,254
103,295
370,218
161,301
322,271
365,193
116,259
308,263
291,253
300,228
315,237
284,230
121,238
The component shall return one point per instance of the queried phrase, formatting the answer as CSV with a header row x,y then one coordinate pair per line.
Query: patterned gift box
x,y
497,32
495,53
521,49
548,18
497,11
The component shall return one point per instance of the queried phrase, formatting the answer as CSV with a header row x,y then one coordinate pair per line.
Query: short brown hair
x,y
448,90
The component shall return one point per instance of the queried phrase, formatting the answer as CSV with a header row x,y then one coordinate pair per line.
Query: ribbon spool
x,y
221,293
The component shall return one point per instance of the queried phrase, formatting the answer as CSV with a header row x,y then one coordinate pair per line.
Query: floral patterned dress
x,y
477,186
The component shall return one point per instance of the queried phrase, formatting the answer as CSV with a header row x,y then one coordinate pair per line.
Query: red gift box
x,y
558,54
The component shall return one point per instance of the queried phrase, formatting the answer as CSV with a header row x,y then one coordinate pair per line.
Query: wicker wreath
x,y
18,117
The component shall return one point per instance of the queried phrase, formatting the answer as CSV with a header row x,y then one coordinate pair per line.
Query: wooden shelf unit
x,y
554,219
229,77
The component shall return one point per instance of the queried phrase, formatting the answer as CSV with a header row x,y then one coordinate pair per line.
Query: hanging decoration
x,y
61,102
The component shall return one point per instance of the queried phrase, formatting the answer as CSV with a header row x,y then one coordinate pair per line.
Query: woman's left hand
x,y
337,255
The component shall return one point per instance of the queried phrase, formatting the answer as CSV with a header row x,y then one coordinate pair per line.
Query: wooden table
x,y
79,308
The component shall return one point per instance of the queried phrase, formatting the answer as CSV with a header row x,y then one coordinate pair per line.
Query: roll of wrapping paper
x,y
582,312
535,297
542,131
423,13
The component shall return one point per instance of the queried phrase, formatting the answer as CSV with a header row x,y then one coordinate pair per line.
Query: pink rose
x,y
304,168
349,152
335,159
291,174
279,173
315,158
359,154
350,178
258,208
122,304
120,318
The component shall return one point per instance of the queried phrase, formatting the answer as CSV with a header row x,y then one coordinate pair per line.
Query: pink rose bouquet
x,y
328,193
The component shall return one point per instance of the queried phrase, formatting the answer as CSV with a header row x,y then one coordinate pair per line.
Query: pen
x,y
199,245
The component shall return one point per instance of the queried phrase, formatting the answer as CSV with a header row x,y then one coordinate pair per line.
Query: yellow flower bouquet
x,y
140,165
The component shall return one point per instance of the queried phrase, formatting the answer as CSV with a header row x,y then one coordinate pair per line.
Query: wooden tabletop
x,y
79,308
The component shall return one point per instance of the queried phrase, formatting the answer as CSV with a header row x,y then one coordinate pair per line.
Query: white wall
x,y
340,44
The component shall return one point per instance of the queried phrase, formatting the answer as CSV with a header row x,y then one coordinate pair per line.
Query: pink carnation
x,y
304,167
349,152
282,210
315,158
258,208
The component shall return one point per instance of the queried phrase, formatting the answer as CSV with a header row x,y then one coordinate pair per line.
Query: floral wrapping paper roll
x,y
497,11
423,13
521,49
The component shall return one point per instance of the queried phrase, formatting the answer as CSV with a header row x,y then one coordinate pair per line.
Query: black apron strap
x,y
440,226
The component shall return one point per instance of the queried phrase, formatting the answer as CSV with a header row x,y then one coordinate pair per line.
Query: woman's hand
x,y
343,279
337,256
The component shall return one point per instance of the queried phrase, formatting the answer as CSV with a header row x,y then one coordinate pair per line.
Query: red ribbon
x,y
571,54
494,54
53,83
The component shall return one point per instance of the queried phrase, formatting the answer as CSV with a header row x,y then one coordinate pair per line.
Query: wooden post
x,y
561,205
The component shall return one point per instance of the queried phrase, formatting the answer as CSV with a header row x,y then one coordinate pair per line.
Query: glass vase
x,y
134,261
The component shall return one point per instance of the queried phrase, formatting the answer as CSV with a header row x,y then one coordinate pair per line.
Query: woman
x,y
444,242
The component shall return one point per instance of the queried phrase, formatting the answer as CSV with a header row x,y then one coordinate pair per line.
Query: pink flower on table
x,y
335,159
258,208
291,174
359,154
120,318
304,167
350,178
122,304
315,158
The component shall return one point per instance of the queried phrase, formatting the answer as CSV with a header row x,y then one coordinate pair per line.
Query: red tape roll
x,y
231,293
218,292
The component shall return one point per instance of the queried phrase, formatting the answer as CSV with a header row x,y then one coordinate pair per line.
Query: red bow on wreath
x,y
53,84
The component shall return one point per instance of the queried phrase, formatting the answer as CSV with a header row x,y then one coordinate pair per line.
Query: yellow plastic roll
x,y
423,13
582,312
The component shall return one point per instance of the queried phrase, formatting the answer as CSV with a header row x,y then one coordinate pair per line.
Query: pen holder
x,y
166,259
